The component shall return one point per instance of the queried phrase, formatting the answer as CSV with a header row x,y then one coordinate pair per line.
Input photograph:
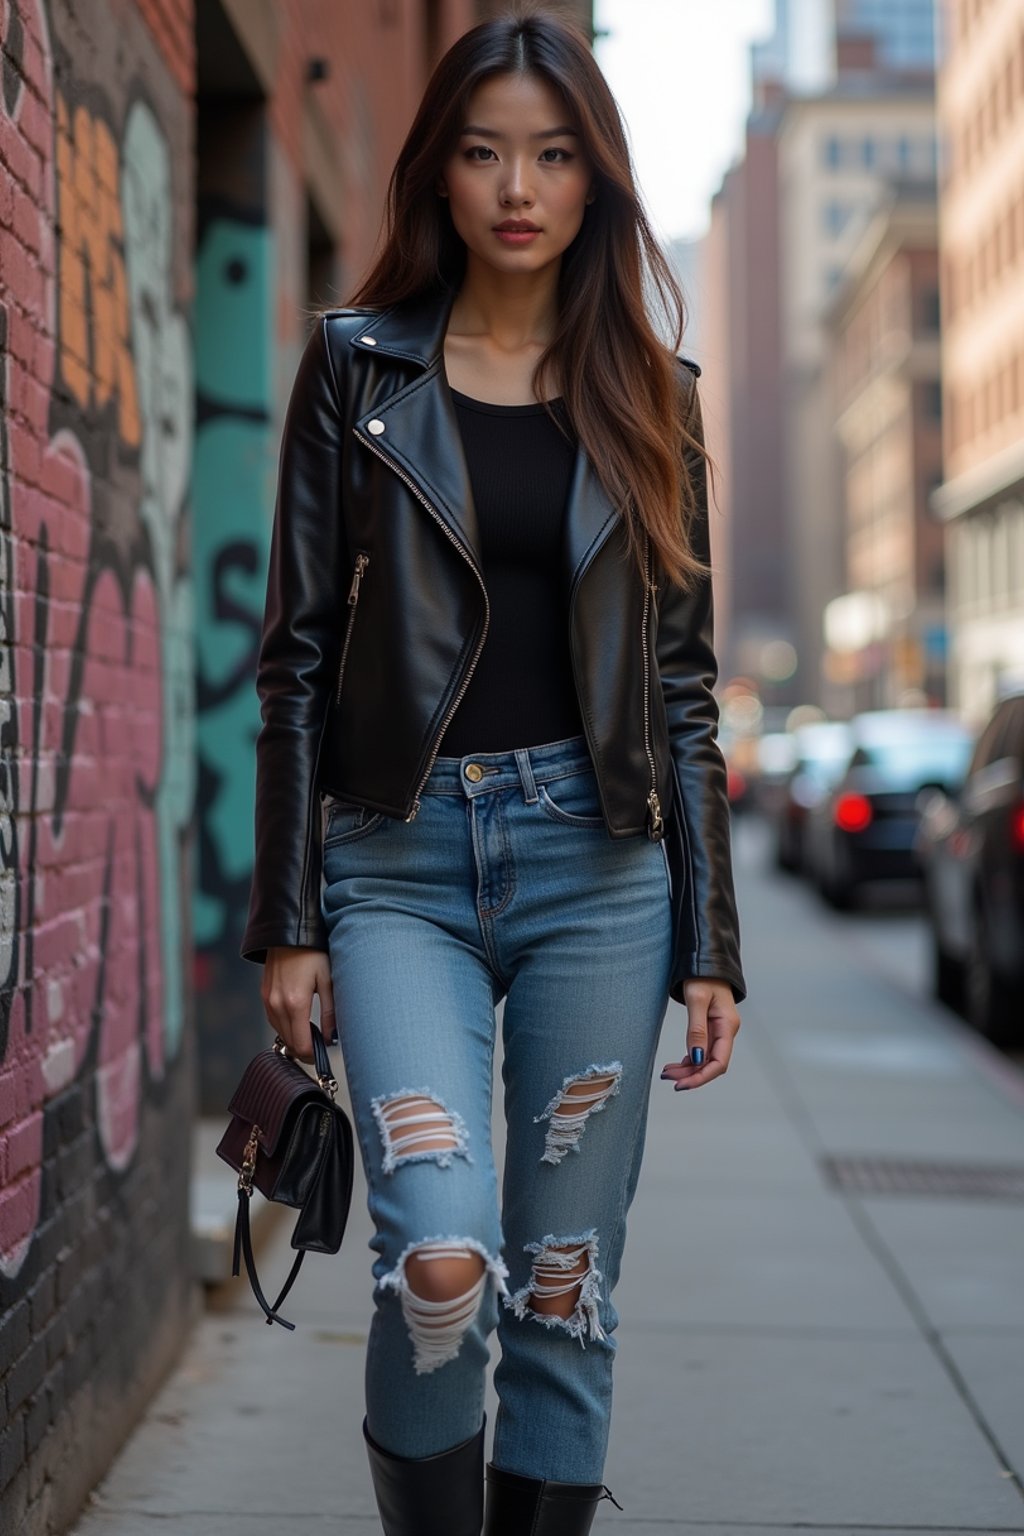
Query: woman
x,y
488,767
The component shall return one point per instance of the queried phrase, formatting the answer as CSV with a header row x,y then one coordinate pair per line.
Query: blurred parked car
x,y
821,749
970,846
864,826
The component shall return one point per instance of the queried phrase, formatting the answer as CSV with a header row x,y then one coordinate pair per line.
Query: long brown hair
x,y
620,383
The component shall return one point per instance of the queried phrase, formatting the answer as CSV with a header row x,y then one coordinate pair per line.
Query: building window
x,y
868,153
832,151
835,216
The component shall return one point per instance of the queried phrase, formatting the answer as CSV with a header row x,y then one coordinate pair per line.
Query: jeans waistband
x,y
479,772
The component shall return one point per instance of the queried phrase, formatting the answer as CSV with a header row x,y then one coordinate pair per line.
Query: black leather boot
x,y
540,1506
440,1495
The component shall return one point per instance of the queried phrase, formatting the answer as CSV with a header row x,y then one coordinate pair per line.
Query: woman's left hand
x,y
712,1024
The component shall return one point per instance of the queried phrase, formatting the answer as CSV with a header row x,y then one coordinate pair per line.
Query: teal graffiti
x,y
233,493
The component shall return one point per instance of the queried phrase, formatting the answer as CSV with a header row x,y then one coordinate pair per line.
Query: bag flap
x,y
324,1215
271,1089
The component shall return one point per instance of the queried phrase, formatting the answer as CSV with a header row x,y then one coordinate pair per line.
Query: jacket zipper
x,y
655,825
487,610
361,562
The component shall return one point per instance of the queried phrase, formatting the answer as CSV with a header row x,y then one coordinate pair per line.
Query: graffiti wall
x,y
233,491
96,701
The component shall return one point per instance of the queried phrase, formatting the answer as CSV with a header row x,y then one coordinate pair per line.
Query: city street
x,y
793,1355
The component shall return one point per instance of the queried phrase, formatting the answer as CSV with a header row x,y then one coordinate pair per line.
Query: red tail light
x,y
852,813
1017,827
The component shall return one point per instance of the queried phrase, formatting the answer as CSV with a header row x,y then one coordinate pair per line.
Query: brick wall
x,y
96,720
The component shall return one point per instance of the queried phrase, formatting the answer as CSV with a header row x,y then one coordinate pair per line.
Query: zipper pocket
x,y
655,824
487,608
362,560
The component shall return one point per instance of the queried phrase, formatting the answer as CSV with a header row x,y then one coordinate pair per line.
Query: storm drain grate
x,y
906,1176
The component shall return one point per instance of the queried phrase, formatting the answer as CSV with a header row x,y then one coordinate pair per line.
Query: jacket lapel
x,y
421,435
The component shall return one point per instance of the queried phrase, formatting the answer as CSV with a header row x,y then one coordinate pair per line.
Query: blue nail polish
x,y
697,1055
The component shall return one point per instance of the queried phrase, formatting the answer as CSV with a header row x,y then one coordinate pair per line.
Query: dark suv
x,y
863,828
970,846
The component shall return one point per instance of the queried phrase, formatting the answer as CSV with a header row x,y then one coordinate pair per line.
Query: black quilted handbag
x,y
289,1138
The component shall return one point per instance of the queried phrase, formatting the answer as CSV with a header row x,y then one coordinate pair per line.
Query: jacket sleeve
x,y
708,936
298,653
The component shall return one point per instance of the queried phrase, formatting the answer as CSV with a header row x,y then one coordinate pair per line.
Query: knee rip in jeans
x,y
581,1095
415,1126
563,1265
437,1322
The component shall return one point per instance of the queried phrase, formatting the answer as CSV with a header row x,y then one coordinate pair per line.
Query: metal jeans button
x,y
474,772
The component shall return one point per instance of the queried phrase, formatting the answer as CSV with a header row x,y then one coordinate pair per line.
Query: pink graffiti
x,y
83,619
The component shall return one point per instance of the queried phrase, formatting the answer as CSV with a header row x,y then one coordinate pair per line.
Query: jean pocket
x,y
345,820
573,799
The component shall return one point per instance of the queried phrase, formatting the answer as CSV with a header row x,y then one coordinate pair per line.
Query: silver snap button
x,y
376,426
370,341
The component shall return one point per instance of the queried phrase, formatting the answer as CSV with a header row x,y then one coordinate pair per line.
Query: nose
x,y
517,189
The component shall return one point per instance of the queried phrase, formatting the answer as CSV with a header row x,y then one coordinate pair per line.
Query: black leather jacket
x,y
376,612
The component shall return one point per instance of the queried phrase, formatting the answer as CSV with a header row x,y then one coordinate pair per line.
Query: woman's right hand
x,y
291,977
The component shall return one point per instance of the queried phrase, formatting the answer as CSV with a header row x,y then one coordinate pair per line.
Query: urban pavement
x,y
793,1355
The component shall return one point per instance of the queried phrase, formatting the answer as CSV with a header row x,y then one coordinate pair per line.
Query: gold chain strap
x,y
248,1169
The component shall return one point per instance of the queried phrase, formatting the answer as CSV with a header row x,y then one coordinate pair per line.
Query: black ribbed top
x,y
522,691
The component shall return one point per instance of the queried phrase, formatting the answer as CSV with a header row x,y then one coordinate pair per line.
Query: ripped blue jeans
x,y
506,885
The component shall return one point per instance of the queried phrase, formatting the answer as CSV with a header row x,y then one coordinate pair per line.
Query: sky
x,y
680,72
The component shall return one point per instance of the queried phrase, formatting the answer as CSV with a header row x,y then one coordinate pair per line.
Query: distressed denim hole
x,y
415,1125
437,1322
581,1095
564,1288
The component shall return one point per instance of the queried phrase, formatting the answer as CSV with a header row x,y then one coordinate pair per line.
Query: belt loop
x,y
526,774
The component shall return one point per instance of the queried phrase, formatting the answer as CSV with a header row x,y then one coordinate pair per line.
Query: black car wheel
x,y
993,1005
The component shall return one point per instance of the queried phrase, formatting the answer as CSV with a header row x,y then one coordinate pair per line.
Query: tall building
x,y
887,632
981,112
814,41
740,276
799,52
842,107
902,32
837,153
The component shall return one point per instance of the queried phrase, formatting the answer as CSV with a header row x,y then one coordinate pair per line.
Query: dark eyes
x,y
552,150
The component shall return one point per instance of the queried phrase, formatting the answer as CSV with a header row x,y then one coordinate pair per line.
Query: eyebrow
x,y
545,133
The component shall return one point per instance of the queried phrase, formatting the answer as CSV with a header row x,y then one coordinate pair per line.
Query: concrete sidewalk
x,y
793,1355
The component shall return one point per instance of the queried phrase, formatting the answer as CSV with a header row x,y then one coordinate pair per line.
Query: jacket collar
x,y
413,331
421,436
